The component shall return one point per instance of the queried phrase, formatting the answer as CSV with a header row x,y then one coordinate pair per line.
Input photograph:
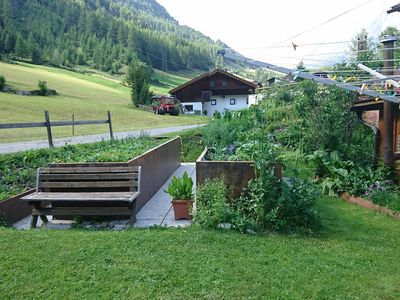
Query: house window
x,y
189,108
213,102
224,83
212,84
233,101
206,95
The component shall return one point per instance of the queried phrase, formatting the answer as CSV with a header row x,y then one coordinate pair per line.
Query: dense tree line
x,y
103,34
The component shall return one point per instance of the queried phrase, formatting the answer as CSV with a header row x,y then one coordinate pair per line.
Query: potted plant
x,y
180,189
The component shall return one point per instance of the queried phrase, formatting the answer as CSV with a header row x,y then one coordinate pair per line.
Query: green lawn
x,y
87,96
355,256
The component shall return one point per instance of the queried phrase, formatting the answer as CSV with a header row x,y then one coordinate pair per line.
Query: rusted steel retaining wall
x,y
13,210
236,173
370,205
158,165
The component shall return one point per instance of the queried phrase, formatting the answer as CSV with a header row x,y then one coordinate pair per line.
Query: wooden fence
x,y
48,124
146,108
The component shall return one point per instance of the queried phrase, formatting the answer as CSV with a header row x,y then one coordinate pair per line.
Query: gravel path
x,y
22,146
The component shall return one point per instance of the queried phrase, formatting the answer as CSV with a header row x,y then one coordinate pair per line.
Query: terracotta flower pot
x,y
182,209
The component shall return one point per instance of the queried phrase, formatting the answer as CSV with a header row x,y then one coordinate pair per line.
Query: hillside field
x,y
87,96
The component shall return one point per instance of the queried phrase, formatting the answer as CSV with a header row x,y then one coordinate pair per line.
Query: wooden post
x,y
388,107
73,125
48,125
110,125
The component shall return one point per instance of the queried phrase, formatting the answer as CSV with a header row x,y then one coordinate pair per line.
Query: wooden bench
x,y
85,190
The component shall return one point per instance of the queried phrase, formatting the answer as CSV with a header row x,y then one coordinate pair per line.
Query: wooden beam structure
x,y
300,74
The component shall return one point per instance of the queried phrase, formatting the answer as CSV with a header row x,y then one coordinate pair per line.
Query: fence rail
x,y
146,108
48,124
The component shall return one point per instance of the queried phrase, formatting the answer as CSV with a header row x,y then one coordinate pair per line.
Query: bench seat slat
x,y
93,197
88,184
72,170
93,176
83,211
85,165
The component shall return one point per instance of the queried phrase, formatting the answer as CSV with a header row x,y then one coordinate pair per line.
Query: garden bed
x,y
236,173
370,205
158,163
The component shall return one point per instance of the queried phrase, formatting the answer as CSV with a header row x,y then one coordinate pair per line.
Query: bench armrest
x,y
134,196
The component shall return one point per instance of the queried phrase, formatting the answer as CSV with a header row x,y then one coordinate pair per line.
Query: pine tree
x,y
33,50
20,47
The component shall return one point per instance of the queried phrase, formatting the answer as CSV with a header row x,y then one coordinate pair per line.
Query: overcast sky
x,y
253,26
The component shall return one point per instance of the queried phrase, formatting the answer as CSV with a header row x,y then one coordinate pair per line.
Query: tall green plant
x,y
138,79
2,82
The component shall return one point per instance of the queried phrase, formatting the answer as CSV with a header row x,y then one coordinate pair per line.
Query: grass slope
x,y
86,96
355,256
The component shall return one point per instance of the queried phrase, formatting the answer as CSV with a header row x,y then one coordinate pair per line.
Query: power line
x,y
324,23
298,45
340,52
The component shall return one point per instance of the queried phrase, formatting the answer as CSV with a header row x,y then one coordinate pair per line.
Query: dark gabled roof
x,y
209,74
394,8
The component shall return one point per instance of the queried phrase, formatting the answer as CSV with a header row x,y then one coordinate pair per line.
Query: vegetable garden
x,y
310,130
18,171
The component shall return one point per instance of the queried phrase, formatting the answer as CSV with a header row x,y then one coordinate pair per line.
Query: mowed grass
x,y
354,256
88,97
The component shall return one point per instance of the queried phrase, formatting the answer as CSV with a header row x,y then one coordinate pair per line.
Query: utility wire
x,y
323,23
340,52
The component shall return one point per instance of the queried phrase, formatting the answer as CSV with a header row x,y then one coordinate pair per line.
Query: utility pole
x,y
388,107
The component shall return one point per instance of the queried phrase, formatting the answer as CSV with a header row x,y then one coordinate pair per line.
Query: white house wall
x,y
197,106
253,99
223,103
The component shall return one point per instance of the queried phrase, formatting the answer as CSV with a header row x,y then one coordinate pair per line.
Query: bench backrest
x,y
88,178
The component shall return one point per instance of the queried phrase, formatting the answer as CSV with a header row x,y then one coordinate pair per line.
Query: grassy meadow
x,y
353,256
87,96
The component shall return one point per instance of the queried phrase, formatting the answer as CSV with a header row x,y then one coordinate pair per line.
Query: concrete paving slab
x,y
160,204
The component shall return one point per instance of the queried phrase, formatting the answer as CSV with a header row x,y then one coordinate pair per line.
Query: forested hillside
x,y
103,34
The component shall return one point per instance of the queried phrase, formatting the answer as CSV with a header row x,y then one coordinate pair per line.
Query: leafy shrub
x,y
218,133
2,82
212,207
337,176
217,115
180,188
43,89
268,204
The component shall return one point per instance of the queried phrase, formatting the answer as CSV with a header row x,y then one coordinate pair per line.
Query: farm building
x,y
215,91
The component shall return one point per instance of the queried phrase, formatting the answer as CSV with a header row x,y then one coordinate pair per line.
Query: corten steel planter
x,y
236,173
158,164
182,209
13,210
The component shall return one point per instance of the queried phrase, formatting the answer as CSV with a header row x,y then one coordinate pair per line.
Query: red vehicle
x,y
165,104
